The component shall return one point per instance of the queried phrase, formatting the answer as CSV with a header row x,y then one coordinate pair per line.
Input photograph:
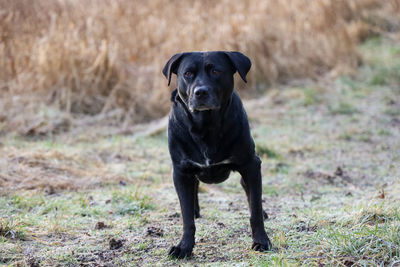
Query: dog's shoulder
x,y
236,112
236,126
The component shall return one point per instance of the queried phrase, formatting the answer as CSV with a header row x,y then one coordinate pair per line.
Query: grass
x,y
385,63
10,228
330,187
266,152
342,108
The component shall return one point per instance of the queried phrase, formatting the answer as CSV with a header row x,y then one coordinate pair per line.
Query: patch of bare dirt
x,y
50,171
338,176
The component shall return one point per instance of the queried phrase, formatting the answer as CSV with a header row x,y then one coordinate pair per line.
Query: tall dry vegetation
x,y
68,58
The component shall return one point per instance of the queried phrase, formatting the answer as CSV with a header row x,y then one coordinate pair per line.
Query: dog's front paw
x,y
264,245
180,252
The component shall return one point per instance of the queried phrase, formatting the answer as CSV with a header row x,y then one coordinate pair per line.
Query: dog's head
x,y
205,79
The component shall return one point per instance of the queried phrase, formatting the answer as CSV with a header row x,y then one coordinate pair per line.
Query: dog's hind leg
x,y
265,215
251,179
196,200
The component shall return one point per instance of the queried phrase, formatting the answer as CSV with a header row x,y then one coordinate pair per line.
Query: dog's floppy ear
x,y
241,63
172,66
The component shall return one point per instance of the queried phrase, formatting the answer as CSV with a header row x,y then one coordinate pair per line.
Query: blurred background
x,y
70,63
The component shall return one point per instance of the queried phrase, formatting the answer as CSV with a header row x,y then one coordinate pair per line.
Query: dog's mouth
x,y
203,104
202,108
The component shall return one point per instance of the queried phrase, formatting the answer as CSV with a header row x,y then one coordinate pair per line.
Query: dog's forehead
x,y
205,58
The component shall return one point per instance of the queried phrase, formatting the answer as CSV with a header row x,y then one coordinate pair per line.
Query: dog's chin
x,y
203,108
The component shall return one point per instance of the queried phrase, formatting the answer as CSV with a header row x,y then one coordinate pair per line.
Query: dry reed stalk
x,y
94,57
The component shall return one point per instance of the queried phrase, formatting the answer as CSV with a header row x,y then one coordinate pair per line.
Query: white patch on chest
x,y
207,163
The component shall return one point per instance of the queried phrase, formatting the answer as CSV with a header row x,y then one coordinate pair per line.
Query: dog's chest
x,y
212,172
209,152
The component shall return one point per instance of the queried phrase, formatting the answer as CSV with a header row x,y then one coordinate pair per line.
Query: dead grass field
x,y
68,63
331,187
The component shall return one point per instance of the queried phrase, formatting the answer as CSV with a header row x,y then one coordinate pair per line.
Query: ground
x,y
331,185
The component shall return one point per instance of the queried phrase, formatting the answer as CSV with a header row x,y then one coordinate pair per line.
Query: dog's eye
x,y
215,72
189,74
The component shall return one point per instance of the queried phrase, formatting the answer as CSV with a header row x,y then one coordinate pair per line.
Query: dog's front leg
x,y
251,179
185,188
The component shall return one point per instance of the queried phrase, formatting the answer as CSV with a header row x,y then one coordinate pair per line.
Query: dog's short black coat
x,y
209,136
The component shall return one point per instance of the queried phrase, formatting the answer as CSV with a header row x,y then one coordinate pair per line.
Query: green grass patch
x,y
264,150
270,190
130,202
363,245
392,111
12,228
281,168
342,108
311,96
384,59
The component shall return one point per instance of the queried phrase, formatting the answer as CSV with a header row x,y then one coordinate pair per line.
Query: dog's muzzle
x,y
203,98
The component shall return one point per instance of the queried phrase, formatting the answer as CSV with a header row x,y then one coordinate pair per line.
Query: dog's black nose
x,y
201,91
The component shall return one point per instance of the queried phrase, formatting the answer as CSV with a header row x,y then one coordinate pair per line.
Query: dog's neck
x,y
208,122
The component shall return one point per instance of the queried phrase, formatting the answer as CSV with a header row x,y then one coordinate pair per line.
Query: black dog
x,y
209,136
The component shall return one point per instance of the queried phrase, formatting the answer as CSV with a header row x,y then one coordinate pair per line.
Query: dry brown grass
x,y
51,171
63,59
